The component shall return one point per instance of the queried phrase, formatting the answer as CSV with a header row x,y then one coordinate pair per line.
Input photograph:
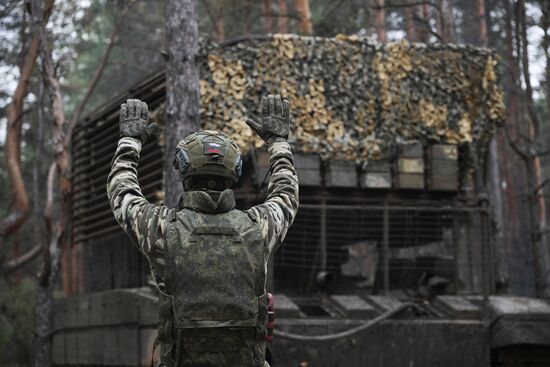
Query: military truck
x,y
391,259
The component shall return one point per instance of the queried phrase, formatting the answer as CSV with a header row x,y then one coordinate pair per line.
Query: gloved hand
x,y
275,120
133,120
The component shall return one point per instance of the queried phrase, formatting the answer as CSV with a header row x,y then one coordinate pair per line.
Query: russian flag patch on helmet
x,y
213,148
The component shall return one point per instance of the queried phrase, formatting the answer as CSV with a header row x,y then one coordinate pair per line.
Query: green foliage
x,y
333,17
17,323
136,54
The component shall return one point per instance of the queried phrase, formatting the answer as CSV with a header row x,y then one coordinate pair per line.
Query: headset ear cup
x,y
238,167
182,162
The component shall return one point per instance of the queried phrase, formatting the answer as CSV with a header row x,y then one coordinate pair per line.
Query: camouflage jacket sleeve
x,y
142,221
277,213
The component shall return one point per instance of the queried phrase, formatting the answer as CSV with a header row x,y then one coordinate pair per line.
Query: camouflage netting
x,y
352,99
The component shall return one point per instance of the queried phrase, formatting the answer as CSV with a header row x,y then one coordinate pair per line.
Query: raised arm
x,y
142,221
277,213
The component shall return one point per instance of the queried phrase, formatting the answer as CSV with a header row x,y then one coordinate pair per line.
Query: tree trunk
x,y
380,21
535,187
14,112
513,168
447,16
38,149
481,21
440,22
268,18
494,176
424,31
248,13
409,23
61,169
282,21
43,311
545,25
219,22
304,25
182,86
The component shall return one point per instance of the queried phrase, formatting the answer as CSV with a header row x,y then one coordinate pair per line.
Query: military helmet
x,y
208,153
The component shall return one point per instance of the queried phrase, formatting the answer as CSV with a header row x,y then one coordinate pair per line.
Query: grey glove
x,y
133,120
275,120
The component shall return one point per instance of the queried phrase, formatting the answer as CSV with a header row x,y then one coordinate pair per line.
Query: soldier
x,y
208,259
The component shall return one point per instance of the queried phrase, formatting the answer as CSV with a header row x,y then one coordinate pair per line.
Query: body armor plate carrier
x,y
215,311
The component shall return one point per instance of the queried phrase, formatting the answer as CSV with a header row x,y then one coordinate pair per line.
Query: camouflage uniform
x,y
150,227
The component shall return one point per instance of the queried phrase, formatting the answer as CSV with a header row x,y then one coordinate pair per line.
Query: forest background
x,y
62,62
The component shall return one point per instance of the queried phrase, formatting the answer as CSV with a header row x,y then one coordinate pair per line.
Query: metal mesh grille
x,y
385,247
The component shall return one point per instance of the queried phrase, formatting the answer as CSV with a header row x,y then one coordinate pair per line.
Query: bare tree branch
x,y
275,14
540,187
408,5
426,24
329,12
14,112
8,8
48,209
244,38
97,75
17,263
514,145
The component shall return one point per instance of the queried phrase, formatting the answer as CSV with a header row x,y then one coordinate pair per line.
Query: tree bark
x,y
517,213
56,242
22,260
447,16
38,149
248,13
216,13
494,175
182,86
481,21
424,30
409,23
268,18
380,21
545,25
304,25
44,305
14,112
440,22
536,187
220,23
282,21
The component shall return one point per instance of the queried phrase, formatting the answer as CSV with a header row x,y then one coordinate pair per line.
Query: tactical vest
x,y
214,311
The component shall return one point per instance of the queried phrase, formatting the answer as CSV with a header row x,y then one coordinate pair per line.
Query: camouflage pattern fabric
x,y
145,223
210,347
211,276
149,225
353,99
